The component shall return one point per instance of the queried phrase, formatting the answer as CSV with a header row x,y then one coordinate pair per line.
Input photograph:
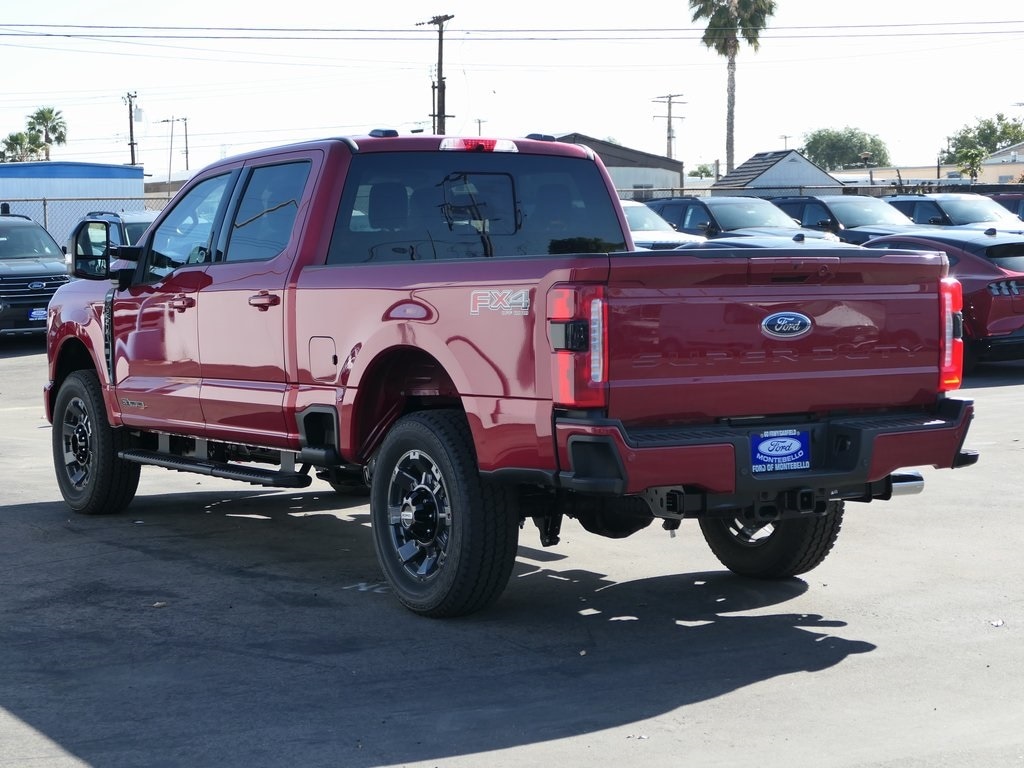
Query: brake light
x,y
578,332
471,144
951,350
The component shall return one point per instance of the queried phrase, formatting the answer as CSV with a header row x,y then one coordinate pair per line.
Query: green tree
x,y
990,135
48,123
19,147
835,150
701,171
728,20
971,158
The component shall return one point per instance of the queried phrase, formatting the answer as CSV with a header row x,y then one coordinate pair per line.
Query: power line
x,y
624,34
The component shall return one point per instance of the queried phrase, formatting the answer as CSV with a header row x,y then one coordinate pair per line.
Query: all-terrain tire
x,y
445,538
92,479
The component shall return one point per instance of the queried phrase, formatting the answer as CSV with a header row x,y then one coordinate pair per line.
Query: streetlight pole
x,y
170,150
184,121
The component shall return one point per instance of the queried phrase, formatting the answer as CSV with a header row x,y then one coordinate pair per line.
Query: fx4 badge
x,y
513,301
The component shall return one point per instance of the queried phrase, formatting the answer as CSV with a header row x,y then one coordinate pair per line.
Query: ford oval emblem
x,y
36,286
779,447
786,325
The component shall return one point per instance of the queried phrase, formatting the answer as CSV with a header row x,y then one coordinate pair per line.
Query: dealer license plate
x,y
37,314
780,450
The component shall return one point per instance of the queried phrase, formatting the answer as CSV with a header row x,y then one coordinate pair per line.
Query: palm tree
x,y
49,124
727,21
19,147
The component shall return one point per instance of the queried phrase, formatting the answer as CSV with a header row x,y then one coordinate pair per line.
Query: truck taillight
x,y
578,331
951,363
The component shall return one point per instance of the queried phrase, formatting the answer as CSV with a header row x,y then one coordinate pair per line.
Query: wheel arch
x,y
397,381
72,356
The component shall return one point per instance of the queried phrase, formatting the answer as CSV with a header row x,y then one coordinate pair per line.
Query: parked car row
x,y
983,238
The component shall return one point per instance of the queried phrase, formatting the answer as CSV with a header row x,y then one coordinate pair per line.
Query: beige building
x,y
1003,167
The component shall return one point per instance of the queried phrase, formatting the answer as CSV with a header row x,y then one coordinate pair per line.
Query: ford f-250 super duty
x,y
462,325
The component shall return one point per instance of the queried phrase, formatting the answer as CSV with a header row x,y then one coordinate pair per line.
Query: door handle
x,y
264,301
180,303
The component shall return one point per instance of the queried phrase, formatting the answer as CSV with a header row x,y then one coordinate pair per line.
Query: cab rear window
x,y
443,206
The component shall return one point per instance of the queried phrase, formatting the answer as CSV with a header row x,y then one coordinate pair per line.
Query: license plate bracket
x,y
780,450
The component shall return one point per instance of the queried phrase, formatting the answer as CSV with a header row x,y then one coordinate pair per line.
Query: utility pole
x,y
439,111
480,126
129,99
670,133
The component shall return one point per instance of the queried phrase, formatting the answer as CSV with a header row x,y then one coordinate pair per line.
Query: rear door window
x,y
265,217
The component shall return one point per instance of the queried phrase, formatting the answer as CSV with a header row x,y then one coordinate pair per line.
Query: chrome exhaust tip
x,y
906,483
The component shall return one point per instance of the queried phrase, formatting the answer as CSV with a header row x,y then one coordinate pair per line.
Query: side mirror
x,y
88,256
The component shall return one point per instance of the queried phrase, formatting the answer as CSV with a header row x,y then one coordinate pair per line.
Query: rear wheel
x,y
445,539
773,550
92,479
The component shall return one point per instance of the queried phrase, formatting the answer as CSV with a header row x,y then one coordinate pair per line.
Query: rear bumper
x,y
848,454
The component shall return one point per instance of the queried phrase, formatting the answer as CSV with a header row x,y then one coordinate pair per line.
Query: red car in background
x,y
990,266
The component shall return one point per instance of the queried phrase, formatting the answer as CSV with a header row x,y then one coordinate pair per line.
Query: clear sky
x,y
911,72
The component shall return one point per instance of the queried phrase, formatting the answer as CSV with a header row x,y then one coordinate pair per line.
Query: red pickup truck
x,y
463,325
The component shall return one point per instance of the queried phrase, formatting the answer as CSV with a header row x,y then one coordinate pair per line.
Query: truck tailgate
x,y
695,338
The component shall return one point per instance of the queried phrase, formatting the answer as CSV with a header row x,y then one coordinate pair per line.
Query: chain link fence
x,y
59,215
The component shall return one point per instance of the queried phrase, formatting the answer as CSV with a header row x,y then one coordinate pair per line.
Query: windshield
x,y
739,214
134,230
975,211
27,243
642,219
859,212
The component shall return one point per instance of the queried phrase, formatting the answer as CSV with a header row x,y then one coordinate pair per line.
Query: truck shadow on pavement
x,y
251,628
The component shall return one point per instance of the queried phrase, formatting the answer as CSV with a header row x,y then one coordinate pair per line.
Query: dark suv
x,y
852,218
718,216
957,209
32,267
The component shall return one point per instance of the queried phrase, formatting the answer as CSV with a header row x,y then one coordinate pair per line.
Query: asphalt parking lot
x,y
219,624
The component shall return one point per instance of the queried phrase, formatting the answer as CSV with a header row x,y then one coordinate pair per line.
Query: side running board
x,y
253,475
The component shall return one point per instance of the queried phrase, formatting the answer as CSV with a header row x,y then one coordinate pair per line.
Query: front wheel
x,y
445,539
92,479
773,550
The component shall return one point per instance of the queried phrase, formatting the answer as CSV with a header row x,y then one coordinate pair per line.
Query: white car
x,y
650,231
